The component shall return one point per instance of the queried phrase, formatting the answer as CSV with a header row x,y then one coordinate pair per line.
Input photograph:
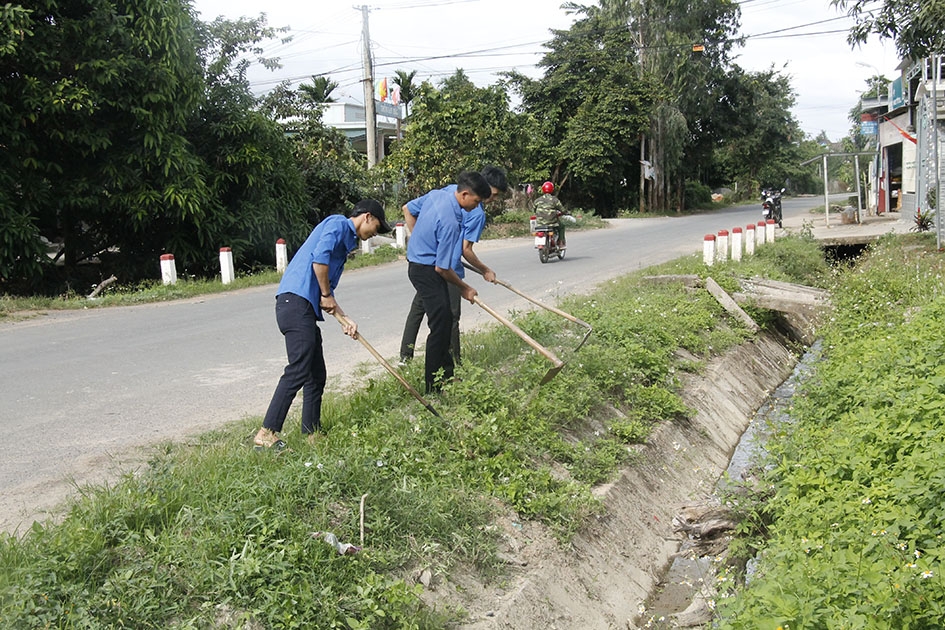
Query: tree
x,y
253,190
761,148
129,130
408,89
917,26
876,86
454,128
334,175
589,108
21,251
95,97
319,91
623,75
682,133
256,188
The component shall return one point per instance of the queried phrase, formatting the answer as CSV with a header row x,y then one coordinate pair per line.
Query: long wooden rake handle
x,y
521,333
389,367
547,307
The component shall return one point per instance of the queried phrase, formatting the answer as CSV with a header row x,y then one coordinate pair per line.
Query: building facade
x,y
908,172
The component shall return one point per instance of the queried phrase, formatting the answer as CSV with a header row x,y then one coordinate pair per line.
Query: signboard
x,y
869,128
897,96
388,109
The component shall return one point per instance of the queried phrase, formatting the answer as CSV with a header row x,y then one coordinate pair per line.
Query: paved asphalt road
x,y
82,390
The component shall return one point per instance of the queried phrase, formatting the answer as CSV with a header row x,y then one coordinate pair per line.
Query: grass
x,y
155,291
117,294
214,534
846,523
516,223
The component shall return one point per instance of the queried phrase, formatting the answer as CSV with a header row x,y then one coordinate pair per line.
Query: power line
x,y
496,51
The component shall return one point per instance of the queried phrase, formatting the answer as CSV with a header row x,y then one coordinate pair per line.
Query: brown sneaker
x,y
266,439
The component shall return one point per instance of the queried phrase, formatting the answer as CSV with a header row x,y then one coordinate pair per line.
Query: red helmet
x,y
547,188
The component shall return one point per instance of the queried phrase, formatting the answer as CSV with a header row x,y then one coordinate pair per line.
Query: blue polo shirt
x,y
437,237
474,222
329,244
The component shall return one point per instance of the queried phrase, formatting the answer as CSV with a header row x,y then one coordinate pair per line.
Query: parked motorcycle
x,y
546,241
771,205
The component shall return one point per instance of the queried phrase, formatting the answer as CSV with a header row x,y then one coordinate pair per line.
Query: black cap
x,y
373,207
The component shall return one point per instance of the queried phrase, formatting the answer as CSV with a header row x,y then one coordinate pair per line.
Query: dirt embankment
x,y
609,570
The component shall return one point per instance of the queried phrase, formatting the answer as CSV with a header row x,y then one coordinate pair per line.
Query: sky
x,y
805,39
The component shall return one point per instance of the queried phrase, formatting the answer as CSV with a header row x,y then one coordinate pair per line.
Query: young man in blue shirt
x,y
305,293
433,253
473,224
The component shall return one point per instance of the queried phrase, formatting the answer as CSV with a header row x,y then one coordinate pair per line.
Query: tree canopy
x,y
589,109
455,127
626,83
95,98
917,26
128,131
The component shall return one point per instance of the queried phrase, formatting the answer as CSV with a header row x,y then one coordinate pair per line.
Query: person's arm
x,y
451,276
409,219
326,301
473,259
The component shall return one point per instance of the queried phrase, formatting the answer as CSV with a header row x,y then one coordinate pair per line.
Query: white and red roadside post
x,y
750,239
769,230
400,235
168,269
736,244
721,246
226,265
760,233
282,256
708,249
367,246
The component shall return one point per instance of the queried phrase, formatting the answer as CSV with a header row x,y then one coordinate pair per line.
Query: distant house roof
x,y
349,119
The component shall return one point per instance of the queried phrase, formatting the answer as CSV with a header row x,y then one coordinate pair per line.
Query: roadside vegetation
x,y
505,225
845,527
215,534
154,291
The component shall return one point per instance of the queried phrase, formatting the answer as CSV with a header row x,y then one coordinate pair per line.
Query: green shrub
x,y
696,195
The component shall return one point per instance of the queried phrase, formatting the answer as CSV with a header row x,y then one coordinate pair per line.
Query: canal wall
x,y
602,579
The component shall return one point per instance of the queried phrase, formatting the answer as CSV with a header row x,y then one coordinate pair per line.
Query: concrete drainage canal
x,y
686,595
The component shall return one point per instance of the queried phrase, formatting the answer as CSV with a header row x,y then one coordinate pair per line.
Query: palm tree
x,y
319,92
408,90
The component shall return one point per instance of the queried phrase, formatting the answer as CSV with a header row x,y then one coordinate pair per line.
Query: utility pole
x,y
939,226
643,160
370,115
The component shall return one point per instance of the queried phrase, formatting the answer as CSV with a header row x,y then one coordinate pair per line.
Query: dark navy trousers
x,y
433,292
415,318
306,369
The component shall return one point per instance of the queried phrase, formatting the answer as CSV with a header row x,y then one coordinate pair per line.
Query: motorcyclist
x,y
772,195
548,210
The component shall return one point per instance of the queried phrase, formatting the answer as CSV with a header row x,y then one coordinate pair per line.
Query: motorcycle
x,y
771,205
546,240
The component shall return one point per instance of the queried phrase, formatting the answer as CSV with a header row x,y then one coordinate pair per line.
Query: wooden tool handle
x,y
554,310
390,368
521,333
